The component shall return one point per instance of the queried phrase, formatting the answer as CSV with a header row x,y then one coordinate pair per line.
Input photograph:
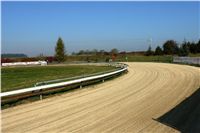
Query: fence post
x,y
40,96
80,85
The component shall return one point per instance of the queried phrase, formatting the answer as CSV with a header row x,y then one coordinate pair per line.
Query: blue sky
x,y
34,27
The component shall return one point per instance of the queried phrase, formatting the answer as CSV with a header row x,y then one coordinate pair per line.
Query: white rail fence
x,y
63,84
42,63
188,60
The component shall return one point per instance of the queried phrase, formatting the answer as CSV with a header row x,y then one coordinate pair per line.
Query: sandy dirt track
x,y
126,104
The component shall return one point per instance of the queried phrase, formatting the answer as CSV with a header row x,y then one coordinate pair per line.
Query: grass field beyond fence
x,y
121,58
14,78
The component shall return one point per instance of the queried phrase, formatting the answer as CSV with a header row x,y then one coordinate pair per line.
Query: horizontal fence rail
x,y
42,63
123,68
187,60
71,78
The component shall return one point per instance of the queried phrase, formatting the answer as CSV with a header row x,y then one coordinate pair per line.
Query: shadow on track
x,y
185,117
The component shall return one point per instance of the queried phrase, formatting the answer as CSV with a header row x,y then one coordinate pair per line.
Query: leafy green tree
x,y
158,51
81,52
60,50
114,51
170,47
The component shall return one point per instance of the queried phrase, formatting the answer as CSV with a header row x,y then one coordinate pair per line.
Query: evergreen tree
x,y
60,50
170,47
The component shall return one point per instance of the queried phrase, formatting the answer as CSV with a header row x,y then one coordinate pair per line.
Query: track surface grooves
x,y
126,104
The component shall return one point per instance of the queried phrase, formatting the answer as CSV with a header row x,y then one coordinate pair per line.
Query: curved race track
x,y
126,104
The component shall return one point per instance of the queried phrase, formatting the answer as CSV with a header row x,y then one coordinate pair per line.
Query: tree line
x,y
171,47
11,55
113,51
60,52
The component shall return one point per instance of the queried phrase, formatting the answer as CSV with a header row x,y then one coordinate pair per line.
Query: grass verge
x,y
50,93
14,78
